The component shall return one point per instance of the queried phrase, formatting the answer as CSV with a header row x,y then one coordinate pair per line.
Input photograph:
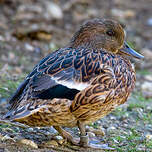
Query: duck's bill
x,y
129,51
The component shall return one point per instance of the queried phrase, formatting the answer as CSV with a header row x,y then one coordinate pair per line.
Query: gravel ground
x,y
31,29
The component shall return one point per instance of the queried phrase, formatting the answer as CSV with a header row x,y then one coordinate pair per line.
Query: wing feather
x,y
61,74
56,69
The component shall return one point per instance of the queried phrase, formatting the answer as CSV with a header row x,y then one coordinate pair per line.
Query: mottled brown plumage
x,y
78,84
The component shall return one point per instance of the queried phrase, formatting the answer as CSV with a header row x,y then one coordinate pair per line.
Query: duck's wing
x,y
62,74
108,90
100,93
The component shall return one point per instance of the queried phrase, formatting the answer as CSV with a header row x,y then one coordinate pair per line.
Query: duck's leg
x,y
67,135
84,139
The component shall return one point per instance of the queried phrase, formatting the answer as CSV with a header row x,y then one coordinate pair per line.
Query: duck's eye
x,y
110,33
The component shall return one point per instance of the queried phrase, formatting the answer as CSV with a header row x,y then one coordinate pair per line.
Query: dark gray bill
x,y
129,51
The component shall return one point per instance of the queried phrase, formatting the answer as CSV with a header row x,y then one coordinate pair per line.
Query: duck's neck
x,y
84,43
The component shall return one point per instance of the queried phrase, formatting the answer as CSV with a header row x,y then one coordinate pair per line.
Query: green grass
x,y
134,136
143,72
94,125
122,142
8,85
149,144
129,142
140,98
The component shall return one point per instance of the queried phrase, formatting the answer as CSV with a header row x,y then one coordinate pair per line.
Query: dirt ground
x,y
30,29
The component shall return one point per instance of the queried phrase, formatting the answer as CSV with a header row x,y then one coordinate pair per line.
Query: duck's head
x,y
103,34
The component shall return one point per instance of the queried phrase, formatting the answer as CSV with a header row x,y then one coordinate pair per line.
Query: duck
x,y
79,83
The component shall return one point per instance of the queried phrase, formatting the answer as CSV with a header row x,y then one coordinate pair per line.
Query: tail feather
x,y
14,100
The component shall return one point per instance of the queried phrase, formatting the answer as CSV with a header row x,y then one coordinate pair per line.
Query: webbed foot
x,y
67,136
84,142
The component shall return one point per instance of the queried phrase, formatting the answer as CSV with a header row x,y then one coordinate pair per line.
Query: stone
x,y
121,14
149,22
140,113
11,56
129,14
53,10
52,130
29,47
111,129
148,77
146,86
6,137
112,117
1,137
30,129
28,142
18,138
99,132
52,143
147,53
91,134
9,130
88,128
59,139
149,137
2,38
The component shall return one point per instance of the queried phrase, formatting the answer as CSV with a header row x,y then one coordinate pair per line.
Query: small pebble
x,y
140,113
99,122
91,134
123,14
29,47
111,129
149,109
99,132
52,46
115,141
149,22
18,138
59,139
53,143
52,130
3,101
53,10
6,137
148,77
18,70
92,12
112,118
147,53
149,137
129,14
88,128
8,130
30,129
28,143
37,50
146,86
11,56
2,38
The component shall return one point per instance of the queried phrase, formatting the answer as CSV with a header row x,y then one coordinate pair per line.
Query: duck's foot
x,y
67,136
84,139
100,146
84,142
